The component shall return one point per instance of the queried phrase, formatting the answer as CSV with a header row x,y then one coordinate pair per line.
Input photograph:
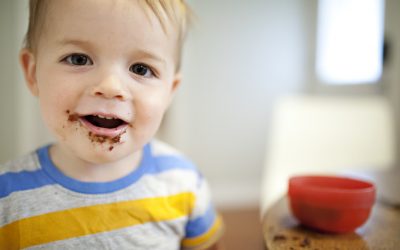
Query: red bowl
x,y
331,204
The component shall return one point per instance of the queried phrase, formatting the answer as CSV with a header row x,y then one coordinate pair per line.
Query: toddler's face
x,y
104,72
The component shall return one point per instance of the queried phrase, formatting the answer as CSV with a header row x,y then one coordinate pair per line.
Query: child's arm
x,y
205,227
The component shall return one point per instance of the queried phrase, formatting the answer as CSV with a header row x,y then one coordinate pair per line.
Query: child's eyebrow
x,y
82,43
148,54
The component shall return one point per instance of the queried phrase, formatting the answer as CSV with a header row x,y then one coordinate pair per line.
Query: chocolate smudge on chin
x,y
103,139
97,138
117,138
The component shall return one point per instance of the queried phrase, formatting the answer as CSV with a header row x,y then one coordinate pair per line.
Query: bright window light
x,y
350,41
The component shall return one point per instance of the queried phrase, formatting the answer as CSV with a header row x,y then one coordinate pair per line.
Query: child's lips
x,y
108,132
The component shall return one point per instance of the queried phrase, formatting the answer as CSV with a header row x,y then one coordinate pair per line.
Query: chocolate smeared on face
x,y
102,139
97,138
73,117
116,139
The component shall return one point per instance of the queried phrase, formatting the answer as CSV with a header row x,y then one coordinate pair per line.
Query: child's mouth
x,y
101,125
103,122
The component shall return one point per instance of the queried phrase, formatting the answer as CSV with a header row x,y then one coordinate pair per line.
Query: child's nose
x,y
111,87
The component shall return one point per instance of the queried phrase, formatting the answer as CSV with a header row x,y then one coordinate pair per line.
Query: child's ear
x,y
175,84
28,63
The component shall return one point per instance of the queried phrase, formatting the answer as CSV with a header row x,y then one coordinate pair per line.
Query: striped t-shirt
x,y
164,204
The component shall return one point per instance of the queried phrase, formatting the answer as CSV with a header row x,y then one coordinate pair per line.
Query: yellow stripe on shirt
x,y
88,220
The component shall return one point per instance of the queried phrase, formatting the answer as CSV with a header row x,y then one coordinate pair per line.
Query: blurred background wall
x,y
239,58
21,128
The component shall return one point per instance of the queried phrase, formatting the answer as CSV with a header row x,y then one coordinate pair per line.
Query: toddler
x,y
104,73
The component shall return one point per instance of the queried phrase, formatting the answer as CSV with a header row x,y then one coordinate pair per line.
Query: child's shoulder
x,y
13,174
160,148
27,162
167,157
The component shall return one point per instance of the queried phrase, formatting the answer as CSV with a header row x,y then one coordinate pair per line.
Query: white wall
x,y
7,86
22,129
239,57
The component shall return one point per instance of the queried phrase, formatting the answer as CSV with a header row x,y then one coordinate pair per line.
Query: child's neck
x,y
81,170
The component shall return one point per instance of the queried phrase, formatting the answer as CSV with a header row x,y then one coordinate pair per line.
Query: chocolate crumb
x,y
67,111
100,138
116,139
279,237
305,243
73,118
104,139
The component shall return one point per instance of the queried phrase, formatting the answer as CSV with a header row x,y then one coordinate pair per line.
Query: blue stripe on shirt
x,y
167,162
24,180
201,224
90,187
148,165
50,174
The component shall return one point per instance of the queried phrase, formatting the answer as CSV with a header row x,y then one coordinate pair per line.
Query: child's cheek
x,y
147,121
64,125
150,112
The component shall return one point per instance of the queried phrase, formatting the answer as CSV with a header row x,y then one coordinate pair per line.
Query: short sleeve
x,y
205,226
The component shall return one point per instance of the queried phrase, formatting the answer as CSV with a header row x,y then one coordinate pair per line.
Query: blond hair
x,y
175,11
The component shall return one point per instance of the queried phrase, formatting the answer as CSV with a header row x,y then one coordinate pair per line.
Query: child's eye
x,y
78,60
141,69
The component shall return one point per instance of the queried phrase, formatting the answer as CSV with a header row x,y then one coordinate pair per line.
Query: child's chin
x,y
101,154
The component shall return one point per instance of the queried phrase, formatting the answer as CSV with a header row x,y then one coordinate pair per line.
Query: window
x,y
349,41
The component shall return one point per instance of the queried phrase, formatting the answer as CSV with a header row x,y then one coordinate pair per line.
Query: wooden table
x,y
382,230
